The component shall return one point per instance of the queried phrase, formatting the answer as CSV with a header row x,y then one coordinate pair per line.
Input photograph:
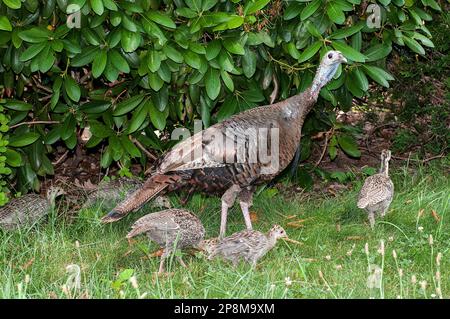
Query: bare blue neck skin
x,y
323,76
301,104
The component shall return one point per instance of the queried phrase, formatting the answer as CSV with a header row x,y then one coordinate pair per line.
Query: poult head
x,y
385,155
277,232
208,245
54,192
327,69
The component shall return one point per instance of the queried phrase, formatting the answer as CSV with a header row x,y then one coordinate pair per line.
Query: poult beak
x,y
292,241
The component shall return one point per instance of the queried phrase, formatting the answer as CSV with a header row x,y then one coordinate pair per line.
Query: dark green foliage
x,y
424,92
136,67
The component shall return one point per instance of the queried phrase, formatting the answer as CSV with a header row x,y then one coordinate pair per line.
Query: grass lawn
x,y
331,263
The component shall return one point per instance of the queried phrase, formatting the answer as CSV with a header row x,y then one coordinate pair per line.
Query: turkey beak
x,y
342,58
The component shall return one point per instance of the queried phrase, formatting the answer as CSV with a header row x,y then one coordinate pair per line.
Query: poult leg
x,y
165,254
161,265
372,220
181,261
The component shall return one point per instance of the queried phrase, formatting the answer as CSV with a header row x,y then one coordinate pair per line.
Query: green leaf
x,y
377,52
367,170
99,63
378,75
433,4
130,40
157,117
233,22
13,4
252,7
5,24
129,147
139,116
68,127
23,139
35,35
349,145
13,158
18,105
109,4
186,12
310,9
128,105
227,80
233,46
425,41
173,54
212,83
249,63
118,61
292,50
72,89
46,59
154,61
346,32
335,13
313,30
95,107
361,79
155,81
413,45
309,52
97,6
161,19
213,50
53,136
106,159
349,52
292,10
192,59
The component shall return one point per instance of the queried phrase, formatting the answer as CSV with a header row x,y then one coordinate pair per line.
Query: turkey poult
x,y
110,193
249,245
171,229
28,209
378,190
221,159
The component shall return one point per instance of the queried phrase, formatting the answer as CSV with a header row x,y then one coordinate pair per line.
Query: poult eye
x,y
330,55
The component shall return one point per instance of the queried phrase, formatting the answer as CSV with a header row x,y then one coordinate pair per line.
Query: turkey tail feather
x,y
151,188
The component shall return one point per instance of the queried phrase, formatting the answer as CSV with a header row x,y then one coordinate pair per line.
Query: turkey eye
x,y
330,55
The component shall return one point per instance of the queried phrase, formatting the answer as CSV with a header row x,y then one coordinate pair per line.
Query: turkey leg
x,y
228,199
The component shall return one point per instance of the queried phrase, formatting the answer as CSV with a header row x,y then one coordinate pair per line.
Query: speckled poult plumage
x,y
171,229
247,245
211,160
27,209
378,190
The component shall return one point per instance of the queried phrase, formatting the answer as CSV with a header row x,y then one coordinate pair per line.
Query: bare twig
x,y
60,159
142,147
117,97
418,160
327,134
33,123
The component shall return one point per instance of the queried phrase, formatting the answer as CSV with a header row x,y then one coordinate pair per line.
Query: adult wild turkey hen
x,y
211,160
